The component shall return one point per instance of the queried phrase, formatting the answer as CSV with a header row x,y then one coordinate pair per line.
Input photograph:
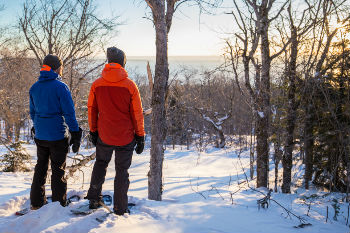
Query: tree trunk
x,y
222,142
308,144
173,141
262,148
263,104
17,127
8,130
278,155
291,117
347,168
251,162
158,128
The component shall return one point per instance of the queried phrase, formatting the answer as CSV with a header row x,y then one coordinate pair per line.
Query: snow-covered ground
x,y
204,192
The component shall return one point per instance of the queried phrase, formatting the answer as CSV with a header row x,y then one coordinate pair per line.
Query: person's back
x,y
116,124
115,98
52,112
52,107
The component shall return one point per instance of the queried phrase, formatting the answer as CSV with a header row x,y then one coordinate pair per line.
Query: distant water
x,y
139,64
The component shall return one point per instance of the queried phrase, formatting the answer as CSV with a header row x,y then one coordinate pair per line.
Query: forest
x,y
281,95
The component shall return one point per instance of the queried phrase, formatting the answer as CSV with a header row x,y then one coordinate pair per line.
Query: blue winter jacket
x,y
51,107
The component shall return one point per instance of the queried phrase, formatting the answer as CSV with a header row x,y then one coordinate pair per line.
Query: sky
x,y
192,34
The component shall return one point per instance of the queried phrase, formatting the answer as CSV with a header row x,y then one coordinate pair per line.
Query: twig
x,y
217,191
301,219
232,193
3,141
308,210
265,200
200,193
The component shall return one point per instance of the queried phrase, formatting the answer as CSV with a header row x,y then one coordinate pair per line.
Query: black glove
x,y
93,137
140,143
32,132
75,139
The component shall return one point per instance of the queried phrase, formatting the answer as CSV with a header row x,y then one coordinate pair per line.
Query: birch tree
x,y
162,17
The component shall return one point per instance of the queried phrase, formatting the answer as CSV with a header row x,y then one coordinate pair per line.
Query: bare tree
x,y
316,65
70,29
300,25
254,20
162,19
162,16
15,83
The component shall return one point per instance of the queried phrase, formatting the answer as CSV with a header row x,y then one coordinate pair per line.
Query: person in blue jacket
x,y
55,129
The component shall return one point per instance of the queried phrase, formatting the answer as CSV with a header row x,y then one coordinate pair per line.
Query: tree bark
x,y
308,144
222,139
264,105
158,128
278,155
287,161
251,151
17,127
8,130
262,151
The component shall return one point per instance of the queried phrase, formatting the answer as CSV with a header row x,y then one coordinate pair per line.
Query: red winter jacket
x,y
114,107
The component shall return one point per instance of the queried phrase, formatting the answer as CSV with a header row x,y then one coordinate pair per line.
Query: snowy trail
x,y
197,198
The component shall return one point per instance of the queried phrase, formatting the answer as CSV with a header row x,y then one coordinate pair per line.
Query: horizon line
x,y
197,57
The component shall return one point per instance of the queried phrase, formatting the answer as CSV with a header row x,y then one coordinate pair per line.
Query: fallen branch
x,y
303,222
301,219
82,162
4,142
264,202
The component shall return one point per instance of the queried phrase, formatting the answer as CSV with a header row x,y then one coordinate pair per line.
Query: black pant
x,y
56,151
123,156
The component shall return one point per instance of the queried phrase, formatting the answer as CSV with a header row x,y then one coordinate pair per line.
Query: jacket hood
x,y
46,73
114,72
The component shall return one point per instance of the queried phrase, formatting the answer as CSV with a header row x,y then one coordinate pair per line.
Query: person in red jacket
x,y
116,124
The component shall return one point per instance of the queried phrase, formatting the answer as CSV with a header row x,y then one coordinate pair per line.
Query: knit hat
x,y
115,55
53,61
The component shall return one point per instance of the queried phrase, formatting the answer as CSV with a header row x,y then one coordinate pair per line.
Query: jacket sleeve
x,y
67,107
31,107
137,112
92,109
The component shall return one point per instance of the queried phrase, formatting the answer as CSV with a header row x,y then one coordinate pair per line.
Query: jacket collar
x,y
114,72
46,73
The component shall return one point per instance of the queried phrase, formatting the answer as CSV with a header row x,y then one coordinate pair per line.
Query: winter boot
x,y
119,212
94,204
38,207
34,207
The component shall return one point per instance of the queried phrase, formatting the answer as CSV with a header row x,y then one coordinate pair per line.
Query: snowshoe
x,y
85,209
104,217
74,198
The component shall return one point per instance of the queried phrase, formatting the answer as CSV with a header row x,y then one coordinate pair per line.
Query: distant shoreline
x,y
173,58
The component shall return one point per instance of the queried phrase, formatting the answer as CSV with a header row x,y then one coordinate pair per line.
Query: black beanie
x,y
53,61
115,55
